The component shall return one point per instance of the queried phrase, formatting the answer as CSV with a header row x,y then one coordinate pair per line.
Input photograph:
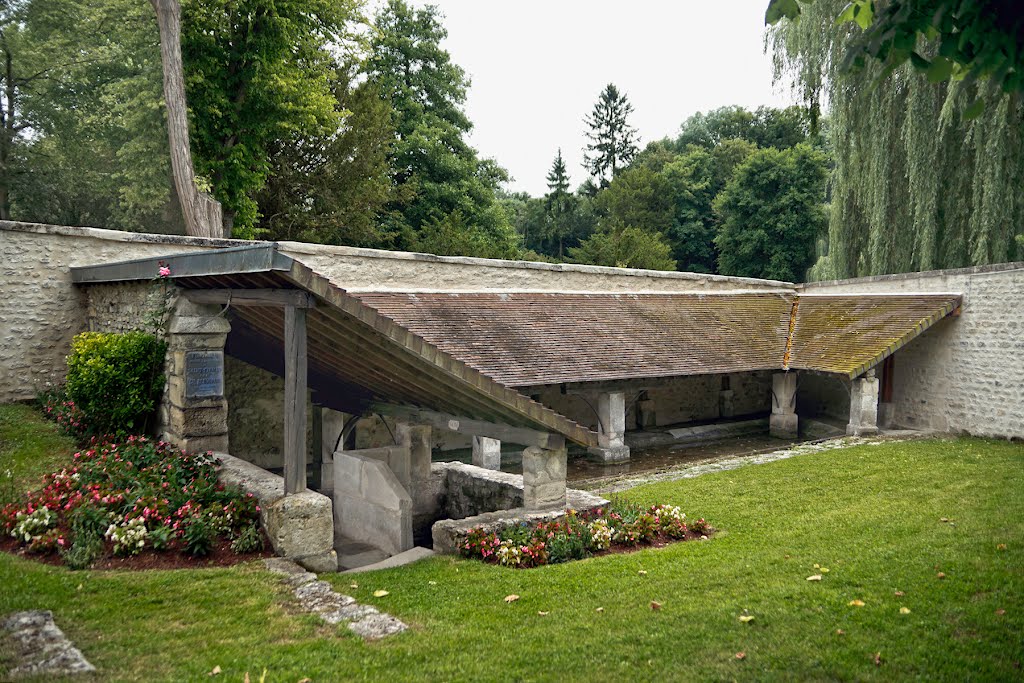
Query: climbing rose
x,y
165,271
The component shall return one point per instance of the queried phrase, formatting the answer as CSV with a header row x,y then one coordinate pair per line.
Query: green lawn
x,y
871,514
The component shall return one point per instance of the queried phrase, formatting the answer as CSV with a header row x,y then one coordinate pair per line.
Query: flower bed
x,y
618,527
124,498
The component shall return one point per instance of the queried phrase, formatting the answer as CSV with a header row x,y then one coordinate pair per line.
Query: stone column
x,y
646,415
725,398
611,435
194,414
543,478
487,453
783,423
863,405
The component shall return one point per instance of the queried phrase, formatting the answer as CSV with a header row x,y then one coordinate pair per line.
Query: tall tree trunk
x,y
8,132
202,212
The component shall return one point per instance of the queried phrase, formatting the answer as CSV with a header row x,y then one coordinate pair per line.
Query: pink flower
x,y
165,271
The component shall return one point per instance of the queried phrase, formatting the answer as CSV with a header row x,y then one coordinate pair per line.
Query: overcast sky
x,y
537,68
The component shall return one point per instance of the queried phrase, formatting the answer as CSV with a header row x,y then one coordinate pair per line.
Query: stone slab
x,y
400,560
40,648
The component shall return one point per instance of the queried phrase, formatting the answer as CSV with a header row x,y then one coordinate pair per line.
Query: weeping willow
x,y
915,186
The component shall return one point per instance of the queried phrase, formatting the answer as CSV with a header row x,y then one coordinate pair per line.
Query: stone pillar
x,y
863,406
194,414
486,453
725,398
611,436
646,415
543,478
417,438
783,423
333,423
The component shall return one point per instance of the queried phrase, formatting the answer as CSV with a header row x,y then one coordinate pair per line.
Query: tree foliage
x,y
972,40
431,157
625,247
916,185
613,141
771,212
257,72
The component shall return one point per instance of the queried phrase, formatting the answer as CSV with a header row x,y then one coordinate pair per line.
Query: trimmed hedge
x,y
116,380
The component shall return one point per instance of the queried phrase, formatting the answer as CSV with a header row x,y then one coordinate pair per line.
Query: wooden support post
x,y
294,400
316,477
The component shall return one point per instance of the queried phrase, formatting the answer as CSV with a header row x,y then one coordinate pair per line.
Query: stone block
x,y
319,562
543,478
417,438
193,422
487,453
783,393
611,407
196,342
609,455
379,512
783,426
217,443
301,525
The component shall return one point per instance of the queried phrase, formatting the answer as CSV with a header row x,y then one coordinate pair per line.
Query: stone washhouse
x,y
329,379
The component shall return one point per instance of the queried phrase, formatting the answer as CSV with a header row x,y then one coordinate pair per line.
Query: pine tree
x,y
613,142
557,203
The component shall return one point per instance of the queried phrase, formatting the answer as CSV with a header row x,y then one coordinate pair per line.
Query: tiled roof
x,y
850,333
530,338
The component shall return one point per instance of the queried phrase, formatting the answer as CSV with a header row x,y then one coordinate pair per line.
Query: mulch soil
x,y
221,555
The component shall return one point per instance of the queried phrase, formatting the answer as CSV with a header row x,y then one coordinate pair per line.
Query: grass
x,y
29,448
871,514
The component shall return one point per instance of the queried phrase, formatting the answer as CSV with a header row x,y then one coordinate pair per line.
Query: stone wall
x,y
40,310
674,401
966,373
822,395
256,414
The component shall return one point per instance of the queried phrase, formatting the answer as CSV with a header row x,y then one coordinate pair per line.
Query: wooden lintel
x,y
251,297
465,425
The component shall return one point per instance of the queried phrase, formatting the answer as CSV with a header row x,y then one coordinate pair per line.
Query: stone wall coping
x,y
308,249
895,277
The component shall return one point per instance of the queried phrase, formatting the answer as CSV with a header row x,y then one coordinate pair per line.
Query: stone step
x,y
401,559
353,554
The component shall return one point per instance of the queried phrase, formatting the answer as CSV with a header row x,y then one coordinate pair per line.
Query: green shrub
x,y
248,540
116,379
199,536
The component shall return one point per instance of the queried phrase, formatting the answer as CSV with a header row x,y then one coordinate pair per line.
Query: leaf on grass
x,y
815,577
353,585
543,614
878,659
940,575
246,679
215,671
898,594
511,598
380,594
746,618
655,605
1000,611
642,572
1001,546
904,610
840,632
856,603
741,655
599,609
432,583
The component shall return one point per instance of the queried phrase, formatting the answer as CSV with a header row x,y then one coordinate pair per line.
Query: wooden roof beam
x,y
518,435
